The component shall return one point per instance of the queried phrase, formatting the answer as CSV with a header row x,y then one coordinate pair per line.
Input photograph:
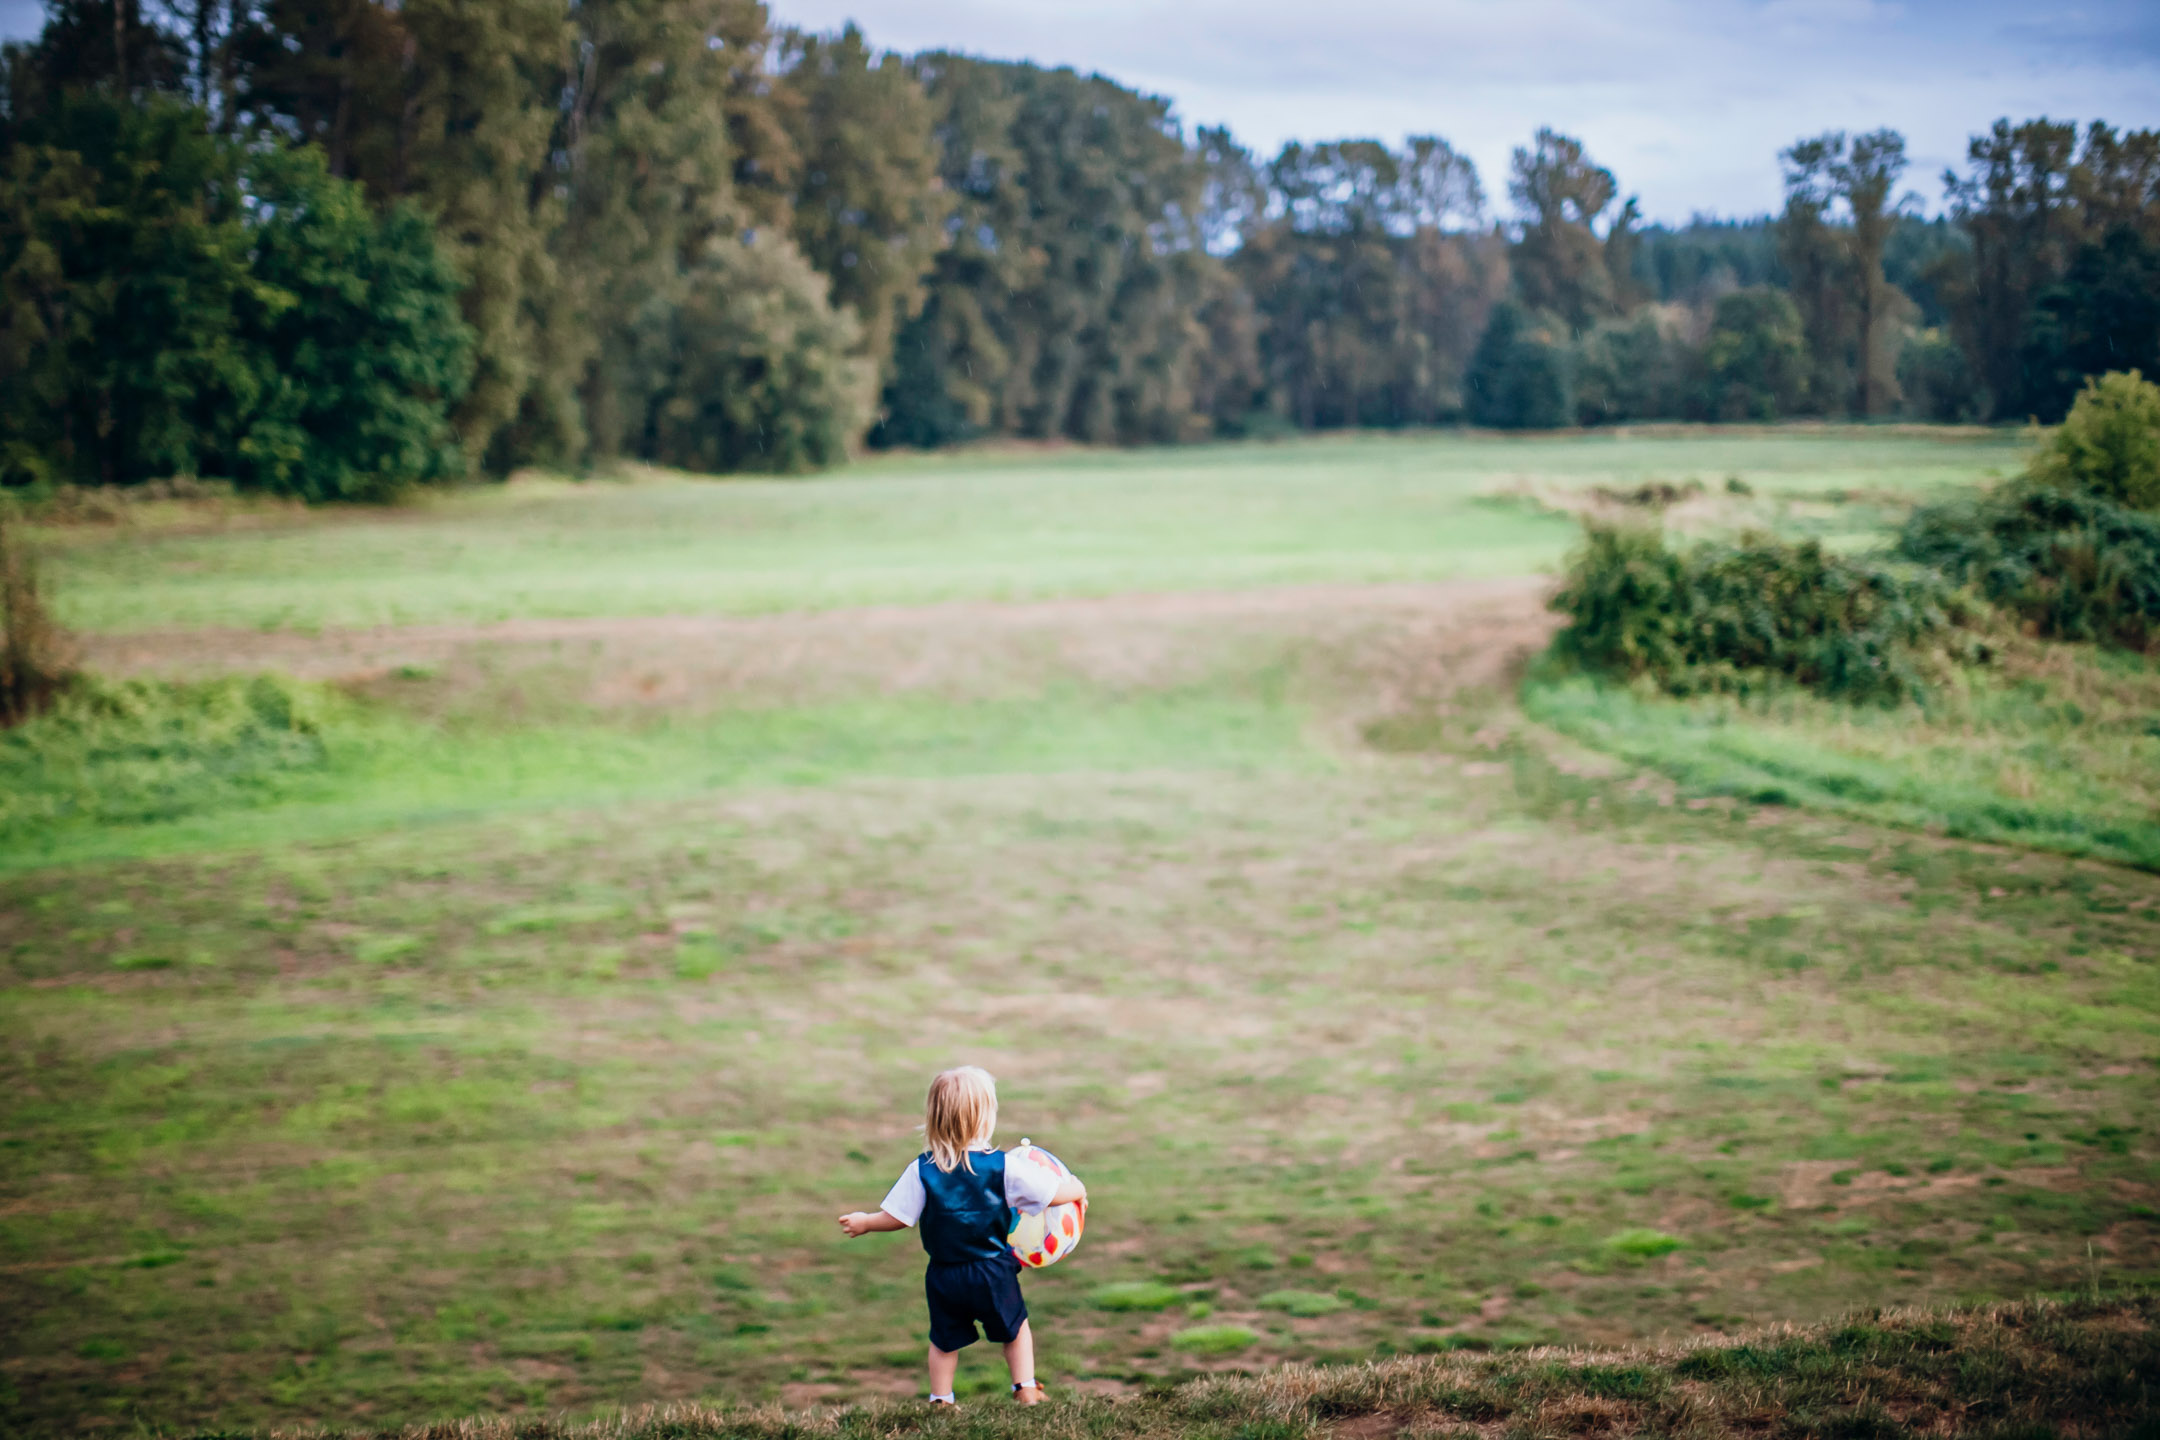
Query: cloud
x,y
20,19
1687,100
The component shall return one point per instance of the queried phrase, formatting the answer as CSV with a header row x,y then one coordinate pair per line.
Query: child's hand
x,y
863,1222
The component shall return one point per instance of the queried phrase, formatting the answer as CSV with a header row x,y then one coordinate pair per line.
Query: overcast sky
x,y
1688,101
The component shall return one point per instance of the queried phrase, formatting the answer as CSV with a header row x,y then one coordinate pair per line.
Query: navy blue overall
x,y
973,1277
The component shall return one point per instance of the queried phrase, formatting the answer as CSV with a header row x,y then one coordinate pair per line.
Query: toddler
x,y
960,1195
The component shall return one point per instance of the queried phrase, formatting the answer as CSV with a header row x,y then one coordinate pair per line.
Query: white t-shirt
x,y
1028,1187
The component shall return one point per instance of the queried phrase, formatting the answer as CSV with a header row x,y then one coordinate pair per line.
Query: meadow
x,y
492,1011
1002,524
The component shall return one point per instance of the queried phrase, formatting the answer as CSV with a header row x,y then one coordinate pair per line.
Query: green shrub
x,y
2109,446
2077,565
184,303
363,351
132,752
1719,617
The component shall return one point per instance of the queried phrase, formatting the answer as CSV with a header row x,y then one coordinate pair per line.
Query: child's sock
x,y
944,1399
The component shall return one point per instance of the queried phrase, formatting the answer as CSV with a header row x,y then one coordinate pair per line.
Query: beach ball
x,y
1045,1239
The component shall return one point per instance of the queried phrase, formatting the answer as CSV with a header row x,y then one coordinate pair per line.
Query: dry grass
x,y
2029,1369
36,654
1331,972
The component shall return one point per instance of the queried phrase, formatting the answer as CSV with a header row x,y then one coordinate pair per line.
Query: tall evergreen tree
x,y
1522,374
2103,315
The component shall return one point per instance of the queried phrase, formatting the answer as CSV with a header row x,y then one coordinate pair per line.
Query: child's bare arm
x,y
1069,1190
863,1222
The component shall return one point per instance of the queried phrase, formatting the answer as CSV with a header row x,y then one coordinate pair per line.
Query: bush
x,y
36,657
179,302
362,347
125,256
2109,446
2076,565
140,751
1738,617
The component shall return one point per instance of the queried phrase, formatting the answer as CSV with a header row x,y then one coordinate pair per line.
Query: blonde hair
x,y
961,1110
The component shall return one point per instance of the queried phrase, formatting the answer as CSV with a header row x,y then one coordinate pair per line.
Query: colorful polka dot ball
x,y
1045,1239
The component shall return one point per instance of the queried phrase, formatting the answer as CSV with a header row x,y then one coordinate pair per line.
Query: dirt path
x,y
1472,628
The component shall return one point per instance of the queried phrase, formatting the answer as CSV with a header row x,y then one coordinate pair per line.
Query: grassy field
x,y
989,526
2053,746
514,1046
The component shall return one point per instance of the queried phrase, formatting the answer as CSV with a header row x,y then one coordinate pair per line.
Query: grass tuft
x,y
1304,1304
37,657
135,752
2054,748
1643,1244
1214,1339
1135,1295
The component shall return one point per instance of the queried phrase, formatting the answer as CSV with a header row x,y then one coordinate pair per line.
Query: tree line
x,y
335,247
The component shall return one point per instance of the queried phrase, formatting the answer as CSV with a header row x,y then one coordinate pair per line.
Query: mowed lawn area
x,y
998,524
518,1048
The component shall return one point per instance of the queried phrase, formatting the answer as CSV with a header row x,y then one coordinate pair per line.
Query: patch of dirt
x,y
1409,639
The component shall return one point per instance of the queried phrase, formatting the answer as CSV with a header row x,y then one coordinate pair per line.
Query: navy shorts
x,y
985,1292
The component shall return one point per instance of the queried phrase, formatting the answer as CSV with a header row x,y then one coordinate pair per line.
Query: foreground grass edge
x,y
2018,1368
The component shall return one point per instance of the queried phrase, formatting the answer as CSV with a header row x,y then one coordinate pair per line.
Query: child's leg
x,y
1020,1360
944,1365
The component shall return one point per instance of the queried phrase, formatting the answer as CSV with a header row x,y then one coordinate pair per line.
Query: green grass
x,y
511,1047
186,777
553,1109
1136,1295
2054,747
982,526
